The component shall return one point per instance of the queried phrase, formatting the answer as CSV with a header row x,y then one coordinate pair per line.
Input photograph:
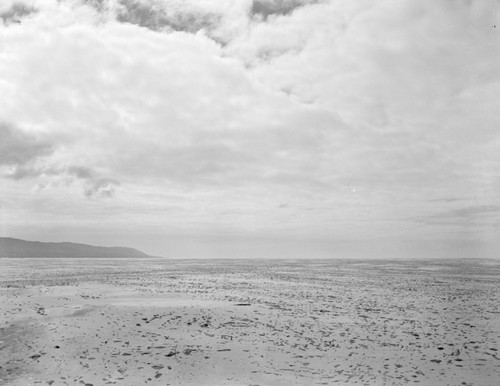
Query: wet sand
x,y
197,322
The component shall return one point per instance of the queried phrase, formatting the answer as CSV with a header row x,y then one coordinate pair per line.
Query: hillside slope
x,y
10,247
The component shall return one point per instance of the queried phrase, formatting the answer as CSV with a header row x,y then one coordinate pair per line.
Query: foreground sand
x,y
168,322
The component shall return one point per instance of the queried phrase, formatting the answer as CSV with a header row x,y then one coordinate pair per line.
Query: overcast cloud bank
x,y
328,123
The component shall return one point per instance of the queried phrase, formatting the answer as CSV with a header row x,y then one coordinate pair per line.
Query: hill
x,y
10,247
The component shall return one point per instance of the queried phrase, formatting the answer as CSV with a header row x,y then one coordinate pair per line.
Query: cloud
x,y
446,199
183,116
396,73
152,15
100,187
220,20
26,156
463,216
225,110
21,153
266,8
16,12
81,172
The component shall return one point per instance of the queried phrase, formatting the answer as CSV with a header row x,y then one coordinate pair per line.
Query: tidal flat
x,y
249,322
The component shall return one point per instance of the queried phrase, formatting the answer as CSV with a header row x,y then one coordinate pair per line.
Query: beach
x,y
249,322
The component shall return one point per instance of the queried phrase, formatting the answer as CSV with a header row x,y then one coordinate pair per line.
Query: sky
x,y
263,129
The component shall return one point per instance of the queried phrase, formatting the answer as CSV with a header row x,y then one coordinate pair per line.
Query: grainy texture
x,y
244,322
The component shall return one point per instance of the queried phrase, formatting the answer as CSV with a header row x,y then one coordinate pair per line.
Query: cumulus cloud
x,y
185,118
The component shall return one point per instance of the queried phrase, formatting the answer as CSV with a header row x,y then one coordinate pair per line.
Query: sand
x,y
194,322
